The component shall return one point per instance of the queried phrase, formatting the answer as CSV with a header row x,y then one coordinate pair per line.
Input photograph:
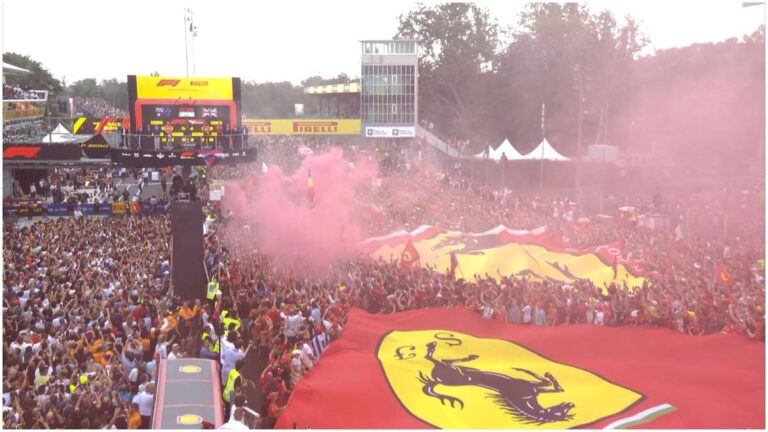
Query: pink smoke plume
x,y
285,224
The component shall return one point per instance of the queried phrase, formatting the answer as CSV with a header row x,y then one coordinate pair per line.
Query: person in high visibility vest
x,y
229,388
213,288
208,333
230,319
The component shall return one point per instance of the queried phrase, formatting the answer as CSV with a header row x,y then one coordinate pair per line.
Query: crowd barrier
x,y
115,208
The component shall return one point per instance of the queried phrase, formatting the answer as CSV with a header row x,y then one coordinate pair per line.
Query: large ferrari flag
x,y
535,253
449,368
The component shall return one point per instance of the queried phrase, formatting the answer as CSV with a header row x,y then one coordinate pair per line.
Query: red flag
x,y
449,368
410,254
723,276
454,264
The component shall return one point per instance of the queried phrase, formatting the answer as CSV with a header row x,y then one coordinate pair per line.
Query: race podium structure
x,y
188,395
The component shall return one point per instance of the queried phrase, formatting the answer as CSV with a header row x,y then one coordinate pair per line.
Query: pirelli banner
x,y
302,126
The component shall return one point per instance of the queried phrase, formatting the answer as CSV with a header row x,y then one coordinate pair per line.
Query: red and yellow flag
x,y
410,254
449,368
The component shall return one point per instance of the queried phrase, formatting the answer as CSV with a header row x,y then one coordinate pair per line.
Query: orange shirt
x,y
186,312
134,421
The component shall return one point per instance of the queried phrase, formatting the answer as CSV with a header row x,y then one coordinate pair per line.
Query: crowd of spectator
x,y
88,308
24,132
17,92
97,107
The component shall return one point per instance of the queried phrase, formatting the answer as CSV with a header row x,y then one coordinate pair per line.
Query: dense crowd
x,y
16,92
97,107
88,311
24,132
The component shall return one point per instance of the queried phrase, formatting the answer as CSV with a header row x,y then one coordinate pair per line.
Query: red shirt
x,y
272,410
274,315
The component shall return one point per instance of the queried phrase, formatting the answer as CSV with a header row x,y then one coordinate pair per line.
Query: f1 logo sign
x,y
168,83
24,152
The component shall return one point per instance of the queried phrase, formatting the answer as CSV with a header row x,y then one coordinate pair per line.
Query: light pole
x,y
191,28
186,43
580,82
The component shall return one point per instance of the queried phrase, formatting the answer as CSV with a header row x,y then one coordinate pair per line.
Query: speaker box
x,y
187,268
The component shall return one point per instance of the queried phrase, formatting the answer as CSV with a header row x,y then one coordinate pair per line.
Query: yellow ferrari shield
x,y
453,380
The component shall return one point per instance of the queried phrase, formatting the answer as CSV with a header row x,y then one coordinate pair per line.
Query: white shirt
x,y
599,317
526,314
163,350
292,324
234,425
230,357
306,356
145,402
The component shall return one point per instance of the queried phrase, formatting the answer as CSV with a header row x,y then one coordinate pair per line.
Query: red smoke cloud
x,y
282,221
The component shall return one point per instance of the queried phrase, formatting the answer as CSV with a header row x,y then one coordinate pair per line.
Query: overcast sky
x,y
284,40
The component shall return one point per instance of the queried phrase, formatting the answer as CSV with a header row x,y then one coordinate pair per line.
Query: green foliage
x,y
459,43
41,78
270,100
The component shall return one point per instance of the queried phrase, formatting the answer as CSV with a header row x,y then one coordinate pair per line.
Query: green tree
x,y
87,87
40,79
539,66
459,43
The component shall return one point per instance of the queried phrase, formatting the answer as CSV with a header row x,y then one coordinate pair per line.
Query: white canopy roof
x,y
61,135
60,129
481,155
9,69
545,151
506,149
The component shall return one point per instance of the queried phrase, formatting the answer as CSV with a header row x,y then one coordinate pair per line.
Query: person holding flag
x,y
454,264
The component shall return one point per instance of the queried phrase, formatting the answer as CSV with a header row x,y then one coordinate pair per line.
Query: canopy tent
x,y
60,130
9,69
510,152
485,153
61,135
545,151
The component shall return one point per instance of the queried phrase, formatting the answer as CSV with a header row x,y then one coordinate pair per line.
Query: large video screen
x,y
187,111
186,124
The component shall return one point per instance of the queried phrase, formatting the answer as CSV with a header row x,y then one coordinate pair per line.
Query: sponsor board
x,y
302,126
148,87
184,157
390,132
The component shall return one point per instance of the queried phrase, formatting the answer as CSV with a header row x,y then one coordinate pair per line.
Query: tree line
x,y
483,82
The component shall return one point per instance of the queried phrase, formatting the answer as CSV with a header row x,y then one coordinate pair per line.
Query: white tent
x,y
482,154
545,151
61,135
506,149
60,130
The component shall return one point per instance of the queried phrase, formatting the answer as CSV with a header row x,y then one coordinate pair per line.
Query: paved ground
x,y
153,188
